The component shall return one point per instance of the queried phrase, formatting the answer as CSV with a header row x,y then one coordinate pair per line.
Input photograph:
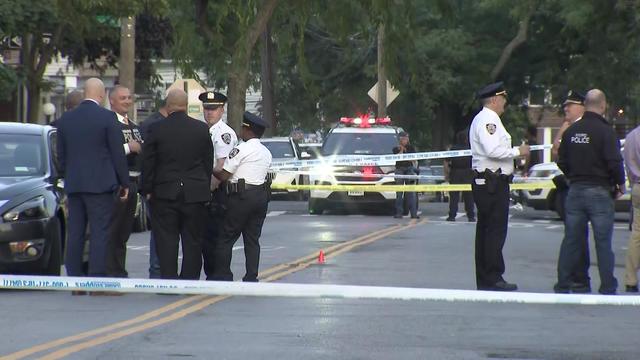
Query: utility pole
x,y
127,65
268,98
382,76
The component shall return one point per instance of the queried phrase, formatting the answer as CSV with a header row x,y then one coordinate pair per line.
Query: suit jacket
x,y
90,152
178,157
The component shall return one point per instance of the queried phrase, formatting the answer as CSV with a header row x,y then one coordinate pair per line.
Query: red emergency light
x,y
364,121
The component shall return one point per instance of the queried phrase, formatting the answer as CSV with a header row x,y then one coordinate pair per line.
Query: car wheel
x,y
55,252
315,208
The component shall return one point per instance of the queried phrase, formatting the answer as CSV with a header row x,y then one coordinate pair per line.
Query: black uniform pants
x,y
461,176
215,219
245,215
119,232
174,220
492,201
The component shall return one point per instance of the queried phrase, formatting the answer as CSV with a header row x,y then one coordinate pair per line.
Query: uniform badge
x,y
491,129
233,153
226,137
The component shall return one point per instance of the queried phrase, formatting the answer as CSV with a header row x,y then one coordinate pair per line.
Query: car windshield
x,y
359,144
21,155
279,149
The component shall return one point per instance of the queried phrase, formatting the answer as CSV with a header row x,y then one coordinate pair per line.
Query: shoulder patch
x,y
233,153
491,128
226,138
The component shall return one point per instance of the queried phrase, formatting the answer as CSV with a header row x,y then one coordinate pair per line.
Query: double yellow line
x,y
190,304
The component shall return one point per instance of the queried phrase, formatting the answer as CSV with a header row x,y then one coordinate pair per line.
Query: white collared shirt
x,y
223,138
250,161
491,143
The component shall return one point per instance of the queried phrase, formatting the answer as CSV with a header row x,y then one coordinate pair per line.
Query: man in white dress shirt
x,y
246,169
492,162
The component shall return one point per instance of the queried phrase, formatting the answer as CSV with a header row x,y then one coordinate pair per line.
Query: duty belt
x,y
233,188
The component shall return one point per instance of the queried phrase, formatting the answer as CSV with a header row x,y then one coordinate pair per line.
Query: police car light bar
x,y
364,121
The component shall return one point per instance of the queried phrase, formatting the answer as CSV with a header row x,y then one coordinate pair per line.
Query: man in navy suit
x,y
94,166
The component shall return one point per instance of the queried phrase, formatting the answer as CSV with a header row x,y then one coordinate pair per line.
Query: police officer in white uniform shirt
x,y
246,169
492,161
224,139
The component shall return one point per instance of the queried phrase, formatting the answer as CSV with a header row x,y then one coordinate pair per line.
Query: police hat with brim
x,y
253,121
490,90
212,99
574,97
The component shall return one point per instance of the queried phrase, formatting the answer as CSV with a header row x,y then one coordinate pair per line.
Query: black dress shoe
x,y
504,286
451,218
397,216
415,217
580,288
631,288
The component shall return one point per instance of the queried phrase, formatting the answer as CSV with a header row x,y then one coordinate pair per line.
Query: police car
x,y
546,199
285,149
355,136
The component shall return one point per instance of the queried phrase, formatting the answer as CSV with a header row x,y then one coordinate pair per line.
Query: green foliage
x,y
8,82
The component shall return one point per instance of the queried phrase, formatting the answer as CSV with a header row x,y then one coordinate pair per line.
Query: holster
x,y
241,188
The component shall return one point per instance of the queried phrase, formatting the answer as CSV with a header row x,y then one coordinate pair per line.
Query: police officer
x,y
573,108
589,156
246,169
224,140
492,161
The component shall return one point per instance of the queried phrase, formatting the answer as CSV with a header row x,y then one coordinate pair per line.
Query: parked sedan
x,y
32,214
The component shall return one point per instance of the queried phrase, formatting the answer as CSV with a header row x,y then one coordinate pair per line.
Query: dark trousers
x,y
461,176
245,215
411,196
491,230
580,275
588,203
154,262
121,226
96,210
173,220
215,220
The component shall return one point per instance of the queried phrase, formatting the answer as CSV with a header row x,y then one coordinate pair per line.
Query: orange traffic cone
x,y
321,257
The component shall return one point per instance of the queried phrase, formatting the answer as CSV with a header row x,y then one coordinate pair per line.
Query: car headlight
x,y
32,209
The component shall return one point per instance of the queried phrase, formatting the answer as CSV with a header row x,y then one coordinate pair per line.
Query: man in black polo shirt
x,y
405,168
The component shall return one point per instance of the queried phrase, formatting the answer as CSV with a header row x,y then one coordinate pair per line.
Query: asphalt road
x,y
430,253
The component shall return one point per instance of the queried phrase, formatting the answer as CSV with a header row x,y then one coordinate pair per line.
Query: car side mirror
x,y
305,155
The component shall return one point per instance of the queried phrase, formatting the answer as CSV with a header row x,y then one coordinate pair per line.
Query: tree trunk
x,y
268,99
33,105
239,68
518,40
237,92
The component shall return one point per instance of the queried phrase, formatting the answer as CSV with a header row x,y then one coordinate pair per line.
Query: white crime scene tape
x,y
192,287
379,160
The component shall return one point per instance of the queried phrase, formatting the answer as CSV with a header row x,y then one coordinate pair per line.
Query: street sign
x,y
392,93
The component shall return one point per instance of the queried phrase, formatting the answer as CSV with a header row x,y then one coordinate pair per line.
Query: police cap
x,y
490,90
253,121
212,99
574,97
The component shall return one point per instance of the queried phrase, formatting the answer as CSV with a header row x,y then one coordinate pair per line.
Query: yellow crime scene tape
x,y
408,188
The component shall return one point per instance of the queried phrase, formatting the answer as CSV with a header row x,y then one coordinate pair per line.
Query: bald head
x,y
177,100
94,89
595,101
